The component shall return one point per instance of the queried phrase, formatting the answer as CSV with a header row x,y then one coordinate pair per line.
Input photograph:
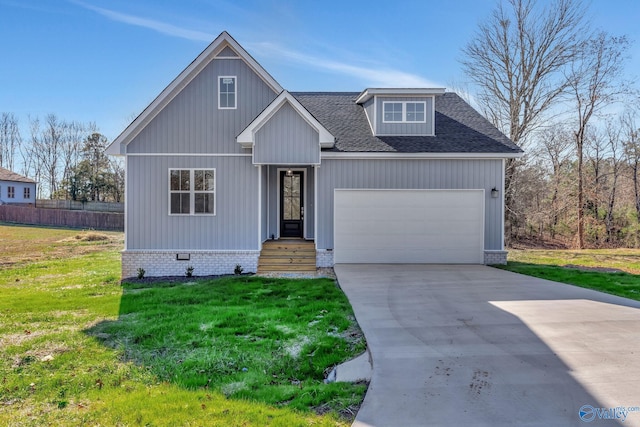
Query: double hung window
x,y
192,191
227,92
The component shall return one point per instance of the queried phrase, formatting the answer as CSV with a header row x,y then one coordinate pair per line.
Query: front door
x,y
291,204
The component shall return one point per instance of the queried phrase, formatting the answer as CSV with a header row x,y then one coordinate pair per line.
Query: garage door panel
x,y
409,226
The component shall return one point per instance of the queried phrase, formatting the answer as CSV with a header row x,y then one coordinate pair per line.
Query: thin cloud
x,y
372,77
385,77
160,27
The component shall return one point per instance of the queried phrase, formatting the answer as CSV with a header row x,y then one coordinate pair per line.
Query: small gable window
x,y
192,191
227,91
404,112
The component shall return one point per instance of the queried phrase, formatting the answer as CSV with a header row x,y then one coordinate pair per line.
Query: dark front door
x,y
291,204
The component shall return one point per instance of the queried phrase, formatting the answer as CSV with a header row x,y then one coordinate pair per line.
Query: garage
x,y
409,226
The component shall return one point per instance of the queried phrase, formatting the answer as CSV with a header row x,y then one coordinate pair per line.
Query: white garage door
x,y
409,226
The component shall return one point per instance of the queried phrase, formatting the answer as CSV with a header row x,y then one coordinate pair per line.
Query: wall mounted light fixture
x,y
494,193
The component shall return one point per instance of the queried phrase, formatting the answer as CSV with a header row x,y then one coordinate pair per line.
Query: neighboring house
x,y
16,189
225,159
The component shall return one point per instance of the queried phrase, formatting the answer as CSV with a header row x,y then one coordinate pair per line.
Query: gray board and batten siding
x,y
410,174
399,129
233,227
286,139
192,123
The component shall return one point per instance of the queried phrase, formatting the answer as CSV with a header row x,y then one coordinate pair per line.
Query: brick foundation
x,y
495,257
204,263
324,258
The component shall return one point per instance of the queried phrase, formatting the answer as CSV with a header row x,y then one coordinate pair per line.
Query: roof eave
x,y
365,155
369,93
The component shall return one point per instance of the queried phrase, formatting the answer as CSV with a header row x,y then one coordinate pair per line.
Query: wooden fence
x,y
62,218
75,205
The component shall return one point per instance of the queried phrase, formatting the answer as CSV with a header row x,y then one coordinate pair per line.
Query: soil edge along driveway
x,y
456,345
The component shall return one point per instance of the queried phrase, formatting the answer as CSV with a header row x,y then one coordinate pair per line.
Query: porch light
x,y
289,172
494,193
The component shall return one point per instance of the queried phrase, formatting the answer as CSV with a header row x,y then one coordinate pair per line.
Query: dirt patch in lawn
x,y
23,244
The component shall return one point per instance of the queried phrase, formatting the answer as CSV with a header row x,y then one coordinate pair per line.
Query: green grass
x,y
79,348
623,259
592,269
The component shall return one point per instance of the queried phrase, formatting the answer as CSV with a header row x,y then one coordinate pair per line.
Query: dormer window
x,y
404,112
400,112
227,90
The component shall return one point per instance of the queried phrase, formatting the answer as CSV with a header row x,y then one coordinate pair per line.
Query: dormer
x,y
406,112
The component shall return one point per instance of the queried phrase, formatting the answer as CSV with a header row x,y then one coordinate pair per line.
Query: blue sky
x,y
105,61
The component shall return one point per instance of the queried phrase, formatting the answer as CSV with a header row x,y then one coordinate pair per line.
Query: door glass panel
x,y
295,207
291,198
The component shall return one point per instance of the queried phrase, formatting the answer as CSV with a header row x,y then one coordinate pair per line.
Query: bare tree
x,y
517,59
72,141
614,133
594,82
116,166
631,136
46,146
10,140
556,146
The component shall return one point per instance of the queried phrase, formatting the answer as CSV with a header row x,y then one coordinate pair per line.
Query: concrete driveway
x,y
463,345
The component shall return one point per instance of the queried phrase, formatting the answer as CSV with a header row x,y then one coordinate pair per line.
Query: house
x,y
16,189
225,159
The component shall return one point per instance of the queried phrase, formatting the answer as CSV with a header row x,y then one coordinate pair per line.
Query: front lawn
x,y
79,348
614,271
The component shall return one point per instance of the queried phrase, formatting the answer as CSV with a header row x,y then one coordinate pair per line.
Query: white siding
x,y
18,192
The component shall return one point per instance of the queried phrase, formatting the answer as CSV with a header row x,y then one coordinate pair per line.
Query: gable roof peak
x,y
224,40
246,138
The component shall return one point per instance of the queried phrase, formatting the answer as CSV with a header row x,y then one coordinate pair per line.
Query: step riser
x,y
286,261
288,253
282,256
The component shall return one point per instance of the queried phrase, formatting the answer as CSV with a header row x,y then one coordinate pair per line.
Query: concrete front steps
x,y
287,256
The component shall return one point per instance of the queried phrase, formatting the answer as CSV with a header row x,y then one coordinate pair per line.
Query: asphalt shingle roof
x,y
7,175
459,128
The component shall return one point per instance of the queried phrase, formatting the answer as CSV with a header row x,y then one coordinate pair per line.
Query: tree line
x,y
557,88
66,158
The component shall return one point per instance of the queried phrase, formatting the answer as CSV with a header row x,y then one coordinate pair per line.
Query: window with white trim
x,y
27,193
227,91
192,191
11,192
404,112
